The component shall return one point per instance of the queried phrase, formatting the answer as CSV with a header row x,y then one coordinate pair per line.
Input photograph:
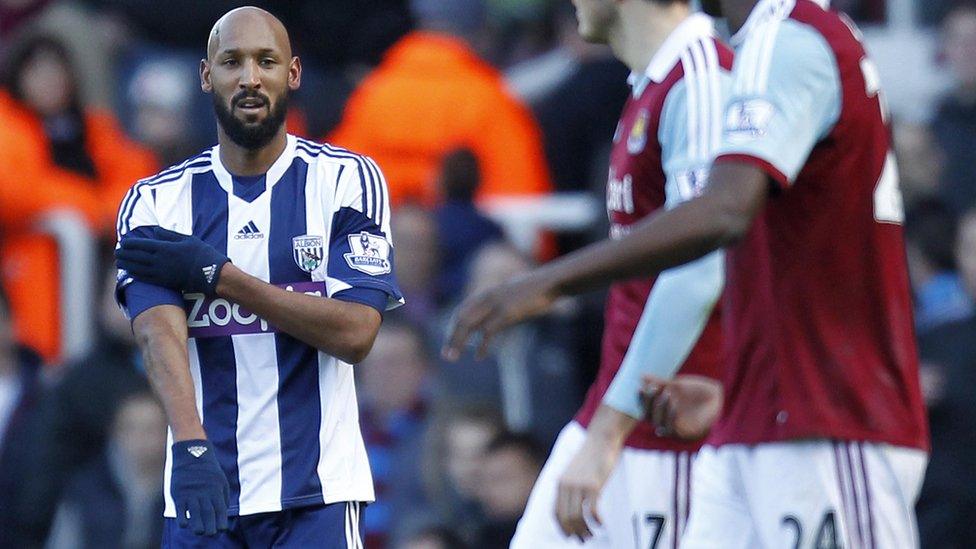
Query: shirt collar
x,y
765,9
695,27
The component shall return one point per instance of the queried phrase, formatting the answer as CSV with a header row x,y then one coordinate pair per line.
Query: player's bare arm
x,y
586,475
721,216
161,334
342,329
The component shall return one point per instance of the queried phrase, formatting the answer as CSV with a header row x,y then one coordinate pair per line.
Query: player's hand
x,y
685,407
491,311
199,486
580,486
172,260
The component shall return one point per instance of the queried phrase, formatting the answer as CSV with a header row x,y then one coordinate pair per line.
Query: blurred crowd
x,y
465,104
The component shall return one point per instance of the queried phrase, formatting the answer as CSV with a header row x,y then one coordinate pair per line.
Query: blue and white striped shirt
x,y
282,415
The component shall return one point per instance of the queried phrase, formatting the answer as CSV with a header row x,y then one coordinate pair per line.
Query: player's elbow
x,y
732,226
358,337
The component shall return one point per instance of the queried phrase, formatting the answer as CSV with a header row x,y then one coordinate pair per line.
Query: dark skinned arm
x,y
736,192
342,329
161,335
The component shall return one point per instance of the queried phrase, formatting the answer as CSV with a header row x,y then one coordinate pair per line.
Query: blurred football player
x,y
255,274
822,440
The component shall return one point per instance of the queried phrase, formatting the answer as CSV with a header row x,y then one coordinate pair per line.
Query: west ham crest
x,y
308,251
637,139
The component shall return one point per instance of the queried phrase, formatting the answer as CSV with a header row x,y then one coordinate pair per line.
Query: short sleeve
x,y
361,254
136,218
691,124
786,97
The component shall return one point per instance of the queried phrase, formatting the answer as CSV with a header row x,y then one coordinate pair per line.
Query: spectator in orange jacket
x,y
432,94
53,155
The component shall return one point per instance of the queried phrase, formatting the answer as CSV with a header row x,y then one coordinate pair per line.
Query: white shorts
x,y
645,497
817,493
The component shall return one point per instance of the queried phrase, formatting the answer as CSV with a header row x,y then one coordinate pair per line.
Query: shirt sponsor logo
x,y
620,193
749,119
369,253
215,317
308,251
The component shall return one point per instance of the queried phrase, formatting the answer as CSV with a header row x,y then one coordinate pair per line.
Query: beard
x,y
712,7
251,136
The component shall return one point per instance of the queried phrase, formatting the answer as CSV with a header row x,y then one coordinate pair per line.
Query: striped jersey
x,y
818,311
669,128
282,416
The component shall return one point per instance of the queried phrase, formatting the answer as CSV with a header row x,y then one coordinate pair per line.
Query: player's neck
x,y
643,29
736,12
242,161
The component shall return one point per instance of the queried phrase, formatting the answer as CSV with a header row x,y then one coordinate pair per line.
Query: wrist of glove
x,y
172,260
199,487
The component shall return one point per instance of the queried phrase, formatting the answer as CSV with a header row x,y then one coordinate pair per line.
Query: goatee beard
x,y
249,136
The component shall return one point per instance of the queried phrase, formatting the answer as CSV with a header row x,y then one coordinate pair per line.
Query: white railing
x,y
77,258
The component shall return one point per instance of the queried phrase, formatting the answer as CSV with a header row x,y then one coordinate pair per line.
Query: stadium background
x,y
492,121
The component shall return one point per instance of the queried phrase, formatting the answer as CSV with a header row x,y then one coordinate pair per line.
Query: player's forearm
x,y
610,428
161,335
342,329
668,238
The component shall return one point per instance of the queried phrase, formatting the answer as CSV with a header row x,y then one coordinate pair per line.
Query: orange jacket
x,y
30,185
429,96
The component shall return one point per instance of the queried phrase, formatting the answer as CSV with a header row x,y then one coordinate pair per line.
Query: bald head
x,y
249,25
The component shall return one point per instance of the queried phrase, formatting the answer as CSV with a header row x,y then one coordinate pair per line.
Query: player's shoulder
x,y
692,51
198,163
327,153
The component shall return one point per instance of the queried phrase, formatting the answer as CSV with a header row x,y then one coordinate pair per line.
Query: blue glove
x,y
198,485
172,260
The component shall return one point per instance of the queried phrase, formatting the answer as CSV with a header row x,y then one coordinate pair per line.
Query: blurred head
x,y
139,432
250,71
161,94
495,264
415,238
467,434
930,229
437,537
598,19
460,175
508,472
919,160
966,251
392,376
959,32
39,73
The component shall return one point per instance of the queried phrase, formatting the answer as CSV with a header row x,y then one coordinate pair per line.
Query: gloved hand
x,y
172,260
198,485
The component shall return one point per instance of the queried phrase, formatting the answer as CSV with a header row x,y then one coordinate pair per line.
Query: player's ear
x,y
295,74
205,82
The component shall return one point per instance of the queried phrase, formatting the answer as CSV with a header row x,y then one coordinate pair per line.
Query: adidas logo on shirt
x,y
249,232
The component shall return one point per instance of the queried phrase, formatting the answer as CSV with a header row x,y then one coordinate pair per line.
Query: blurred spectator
x,y
948,500
65,157
930,231
393,384
71,425
453,460
433,94
417,261
435,537
955,122
116,501
510,466
161,95
531,371
14,13
461,229
920,161
19,389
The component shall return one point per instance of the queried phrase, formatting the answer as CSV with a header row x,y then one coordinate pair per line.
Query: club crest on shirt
x,y
637,139
369,253
308,251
